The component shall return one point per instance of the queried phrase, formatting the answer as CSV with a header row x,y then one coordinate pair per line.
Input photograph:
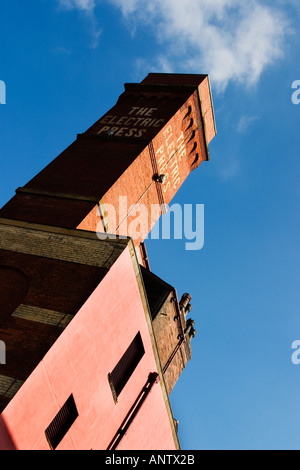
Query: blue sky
x,y
64,63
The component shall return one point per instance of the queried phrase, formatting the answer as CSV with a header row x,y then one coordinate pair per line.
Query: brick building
x,y
94,341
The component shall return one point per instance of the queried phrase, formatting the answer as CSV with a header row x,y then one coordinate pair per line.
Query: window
x,y
62,422
126,366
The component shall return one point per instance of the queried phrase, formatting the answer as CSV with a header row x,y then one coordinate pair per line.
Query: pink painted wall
x,y
78,363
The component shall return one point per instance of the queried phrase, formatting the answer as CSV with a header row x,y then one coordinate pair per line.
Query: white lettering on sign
x,y
135,124
142,111
167,161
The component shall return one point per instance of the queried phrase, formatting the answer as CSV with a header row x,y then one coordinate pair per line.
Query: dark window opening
x,y
157,291
62,422
126,366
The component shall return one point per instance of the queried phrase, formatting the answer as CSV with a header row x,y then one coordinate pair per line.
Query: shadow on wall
x,y
14,286
6,442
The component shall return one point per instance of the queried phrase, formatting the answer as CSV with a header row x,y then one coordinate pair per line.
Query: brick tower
x,y
78,300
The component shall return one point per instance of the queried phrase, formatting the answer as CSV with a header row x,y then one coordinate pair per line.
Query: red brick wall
x,y
158,127
79,362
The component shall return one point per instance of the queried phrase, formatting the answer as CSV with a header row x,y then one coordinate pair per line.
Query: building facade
x,y
94,341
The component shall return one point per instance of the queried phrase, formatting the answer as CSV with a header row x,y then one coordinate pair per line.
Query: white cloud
x,y
231,169
245,122
232,40
160,64
84,5
127,6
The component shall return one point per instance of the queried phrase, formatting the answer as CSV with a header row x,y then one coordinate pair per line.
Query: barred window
x,y
126,366
62,422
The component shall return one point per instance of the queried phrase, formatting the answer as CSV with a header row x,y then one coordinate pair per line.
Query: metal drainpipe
x,y
152,380
145,256
181,341
182,338
178,316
